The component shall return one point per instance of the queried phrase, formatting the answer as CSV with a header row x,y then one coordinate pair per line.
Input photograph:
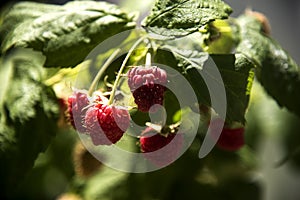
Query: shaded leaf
x,y
189,59
28,113
177,18
102,185
144,186
277,71
64,34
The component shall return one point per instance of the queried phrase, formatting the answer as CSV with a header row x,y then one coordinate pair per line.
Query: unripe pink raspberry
x,y
159,149
231,139
147,85
77,106
106,124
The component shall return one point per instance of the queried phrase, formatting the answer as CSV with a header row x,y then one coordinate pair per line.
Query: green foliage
x,y
52,171
64,34
188,178
276,70
229,65
217,38
102,185
28,117
175,18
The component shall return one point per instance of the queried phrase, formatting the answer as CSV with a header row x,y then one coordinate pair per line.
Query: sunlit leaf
x,y
174,18
64,34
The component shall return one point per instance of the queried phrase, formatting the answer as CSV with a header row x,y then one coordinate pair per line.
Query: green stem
x,y
148,60
101,71
111,98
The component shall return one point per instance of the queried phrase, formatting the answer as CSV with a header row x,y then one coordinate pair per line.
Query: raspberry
x,y
147,86
77,104
158,149
231,139
106,124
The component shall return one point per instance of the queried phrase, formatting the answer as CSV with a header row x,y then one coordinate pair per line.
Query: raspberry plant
x,y
44,47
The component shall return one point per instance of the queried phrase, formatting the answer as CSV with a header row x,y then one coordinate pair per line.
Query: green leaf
x,y
237,74
175,18
235,71
102,185
277,71
218,38
189,59
64,34
28,114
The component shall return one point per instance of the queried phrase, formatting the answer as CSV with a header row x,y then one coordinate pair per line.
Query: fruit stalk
x,y
102,70
110,101
148,60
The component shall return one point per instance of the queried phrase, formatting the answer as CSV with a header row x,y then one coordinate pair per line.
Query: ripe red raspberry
x,y
77,104
161,150
147,85
106,124
231,139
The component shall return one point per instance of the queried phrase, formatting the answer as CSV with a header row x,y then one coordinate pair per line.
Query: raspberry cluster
x,y
160,149
104,123
231,139
147,85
